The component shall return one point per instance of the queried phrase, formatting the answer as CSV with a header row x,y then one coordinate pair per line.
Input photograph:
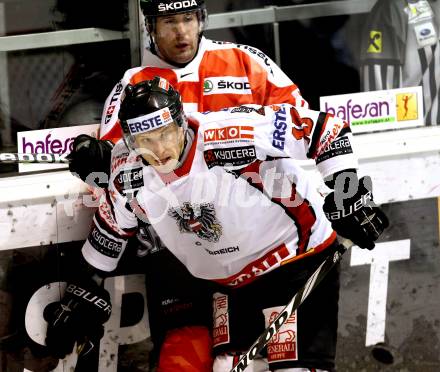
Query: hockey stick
x,y
7,157
294,303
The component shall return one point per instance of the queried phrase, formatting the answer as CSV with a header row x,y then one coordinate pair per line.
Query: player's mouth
x,y
182,46
163,161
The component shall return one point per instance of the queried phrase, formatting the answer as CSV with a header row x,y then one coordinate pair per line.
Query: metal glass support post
x,y
276,42
5,120
134,32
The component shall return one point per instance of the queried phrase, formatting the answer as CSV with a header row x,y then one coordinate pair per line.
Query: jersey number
x,y
303,126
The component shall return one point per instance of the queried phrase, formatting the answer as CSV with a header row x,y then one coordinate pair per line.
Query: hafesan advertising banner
x,y
378,110
51,141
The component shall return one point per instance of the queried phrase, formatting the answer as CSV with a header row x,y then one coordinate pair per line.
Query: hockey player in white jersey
x,y
225,194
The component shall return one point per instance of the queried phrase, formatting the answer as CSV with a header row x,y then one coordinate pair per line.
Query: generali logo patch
x,y
283,346
230,133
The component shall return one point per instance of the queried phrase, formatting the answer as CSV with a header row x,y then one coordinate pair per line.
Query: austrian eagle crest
x,y
198,219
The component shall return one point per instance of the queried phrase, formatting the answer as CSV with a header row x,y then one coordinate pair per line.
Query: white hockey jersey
x,y
239,206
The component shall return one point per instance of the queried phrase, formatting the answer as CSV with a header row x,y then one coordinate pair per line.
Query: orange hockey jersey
x,y
221,75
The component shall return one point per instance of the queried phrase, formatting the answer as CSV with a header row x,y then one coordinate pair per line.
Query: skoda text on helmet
x,y
155,8
147,106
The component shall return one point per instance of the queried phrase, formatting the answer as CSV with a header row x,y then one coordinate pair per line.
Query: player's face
x,y
161,147
177,37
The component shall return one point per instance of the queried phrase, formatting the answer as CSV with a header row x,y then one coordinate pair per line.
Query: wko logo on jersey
x,y
378,110
230,133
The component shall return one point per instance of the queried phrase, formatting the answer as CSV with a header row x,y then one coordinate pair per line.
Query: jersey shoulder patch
x,y
228,139
126,169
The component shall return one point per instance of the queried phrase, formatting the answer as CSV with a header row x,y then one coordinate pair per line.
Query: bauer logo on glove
x,y
356,217
352,208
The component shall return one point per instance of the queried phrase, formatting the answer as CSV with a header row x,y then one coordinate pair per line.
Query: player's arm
x,y
301,133
287,131
269,83
349,207
90,160
351,210
80,314
85,306
90,157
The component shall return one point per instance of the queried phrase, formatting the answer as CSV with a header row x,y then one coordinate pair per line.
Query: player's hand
x,y
357,217
77,318
90,155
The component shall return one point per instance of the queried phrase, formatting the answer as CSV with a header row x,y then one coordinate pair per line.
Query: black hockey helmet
x,y
155,8
142,101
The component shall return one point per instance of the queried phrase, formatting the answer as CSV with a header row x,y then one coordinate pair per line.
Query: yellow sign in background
x,y
375,45
407,106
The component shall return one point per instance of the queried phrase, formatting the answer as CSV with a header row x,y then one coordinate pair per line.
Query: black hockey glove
x,y
78,317
357,217
90,155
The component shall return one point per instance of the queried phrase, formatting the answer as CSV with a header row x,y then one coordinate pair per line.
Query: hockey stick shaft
x,y
294,303
9,157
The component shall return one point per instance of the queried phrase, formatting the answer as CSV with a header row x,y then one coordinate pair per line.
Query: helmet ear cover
x,y
147,97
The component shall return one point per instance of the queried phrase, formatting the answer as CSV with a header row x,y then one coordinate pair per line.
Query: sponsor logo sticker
x,y
282,347
425,34
177,5
50,141
340,146
375,42
280,124
208,86
407,106
268,262
243,109
226,84
235,133
377,110
149,122
223,250
129,179
105,245
418,11
259,54
113,101
230,157
221,319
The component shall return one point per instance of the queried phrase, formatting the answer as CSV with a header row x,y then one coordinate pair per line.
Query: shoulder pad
x,y
126,169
